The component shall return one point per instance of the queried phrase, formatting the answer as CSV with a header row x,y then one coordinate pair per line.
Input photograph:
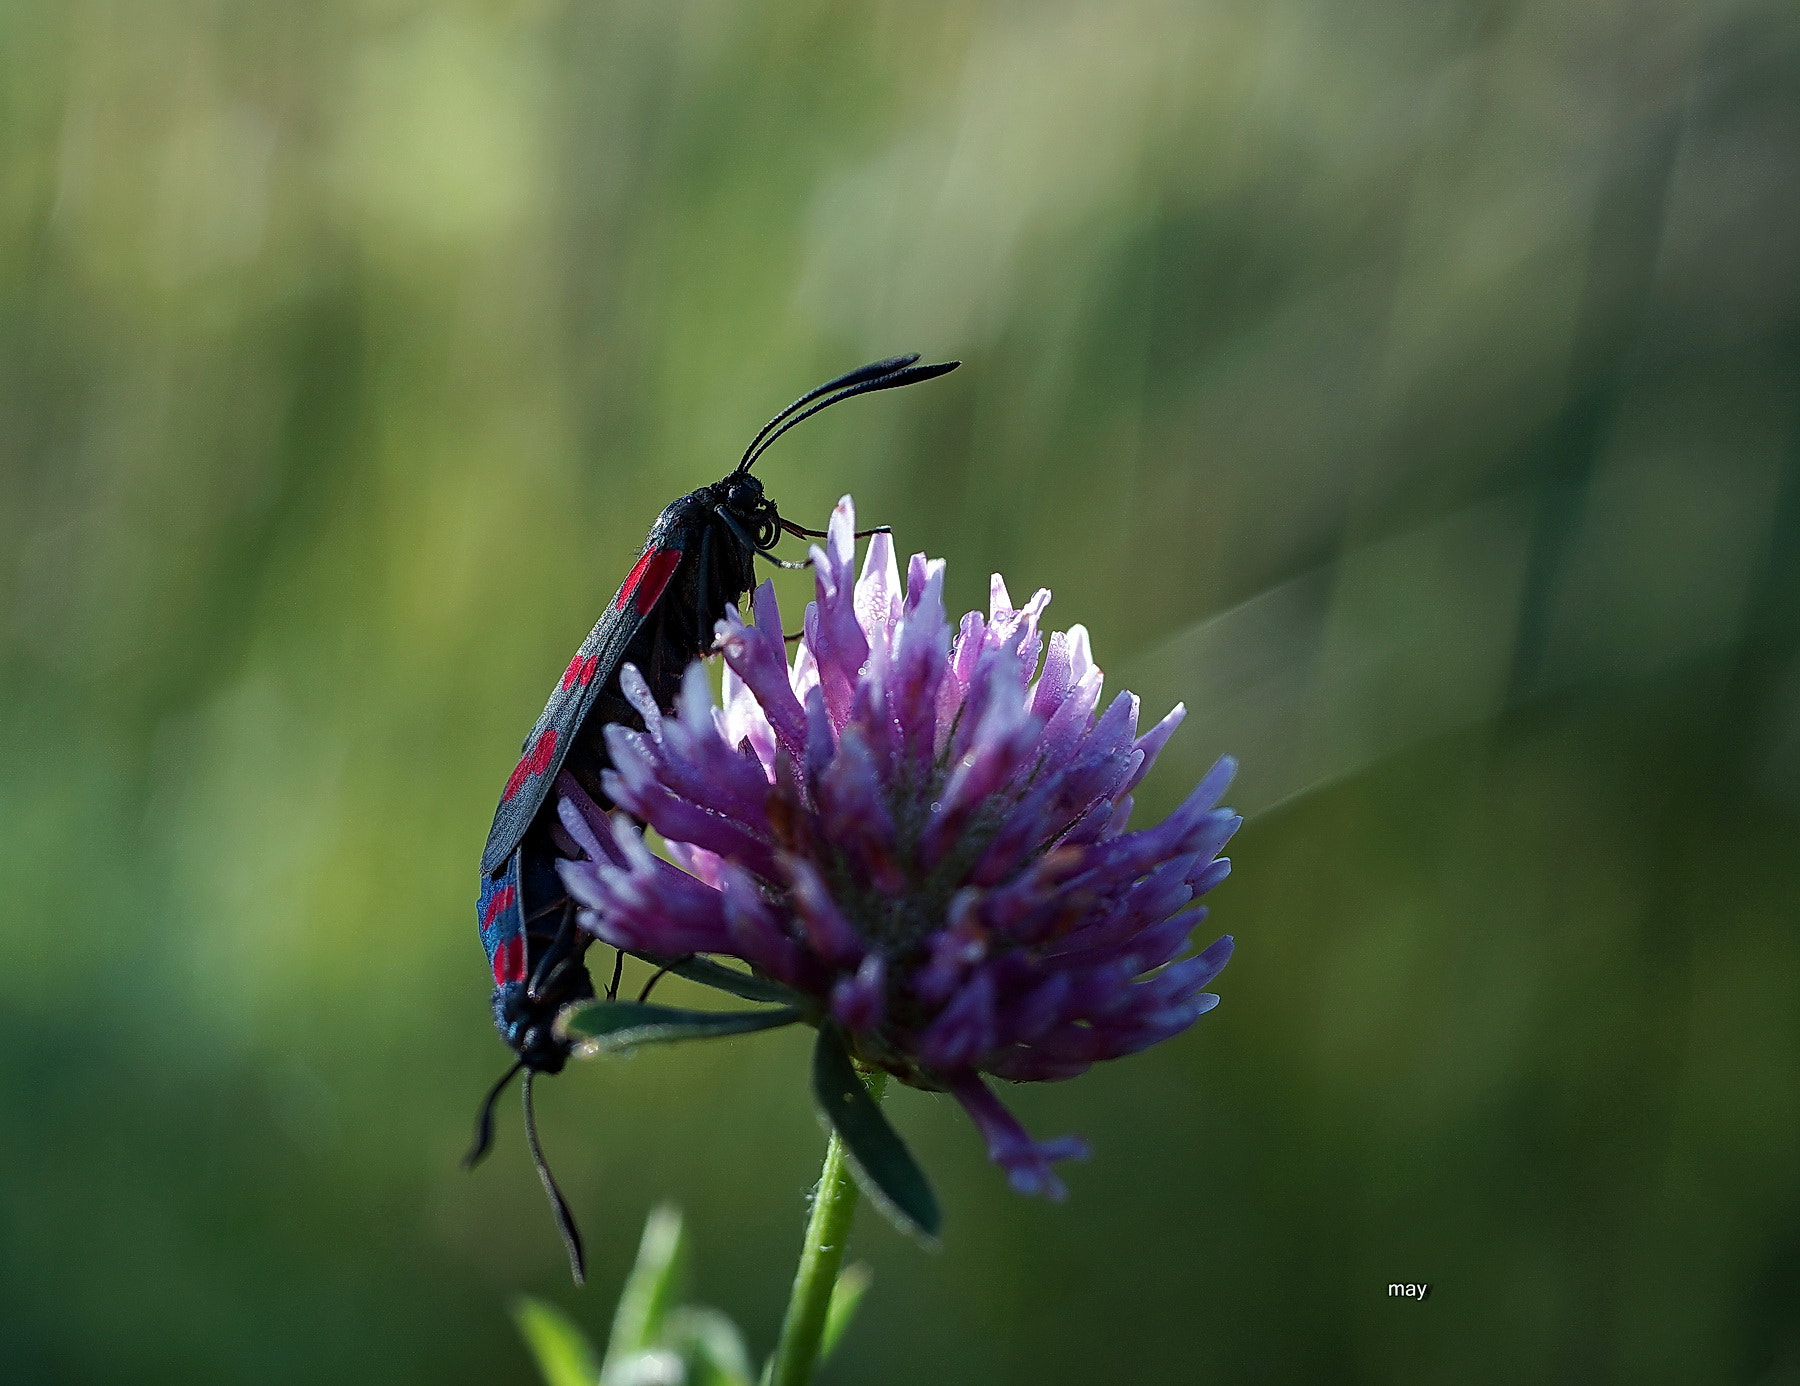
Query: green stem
x,y
827,1230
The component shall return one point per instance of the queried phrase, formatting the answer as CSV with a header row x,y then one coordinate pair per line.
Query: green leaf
x,y
607,1027
562,1350
711,1346
746,985
650,1290
880,1160
852,1285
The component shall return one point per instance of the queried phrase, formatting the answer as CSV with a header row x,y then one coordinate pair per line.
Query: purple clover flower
x,y
921,831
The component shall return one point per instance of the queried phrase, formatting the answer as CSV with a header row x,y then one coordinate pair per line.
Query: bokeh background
x,y
1410,387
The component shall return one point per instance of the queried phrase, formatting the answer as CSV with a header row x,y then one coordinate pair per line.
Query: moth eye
x,y
745,494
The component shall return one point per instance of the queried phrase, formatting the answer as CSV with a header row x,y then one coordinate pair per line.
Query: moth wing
x,y
502,922
594,666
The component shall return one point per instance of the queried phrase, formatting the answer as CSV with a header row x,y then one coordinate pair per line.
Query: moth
x,y
698,558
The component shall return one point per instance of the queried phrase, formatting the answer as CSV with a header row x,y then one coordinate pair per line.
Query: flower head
x,y
921,830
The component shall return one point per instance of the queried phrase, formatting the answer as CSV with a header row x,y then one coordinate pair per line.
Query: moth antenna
x,y
861,373
565,1220
909,375
484,1120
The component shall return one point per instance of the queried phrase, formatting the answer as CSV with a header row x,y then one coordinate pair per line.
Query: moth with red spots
x,y
699,557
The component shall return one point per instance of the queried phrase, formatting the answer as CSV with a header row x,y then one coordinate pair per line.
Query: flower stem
x,y
827,1230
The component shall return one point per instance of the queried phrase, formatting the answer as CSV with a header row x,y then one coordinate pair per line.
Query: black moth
x,y
699,556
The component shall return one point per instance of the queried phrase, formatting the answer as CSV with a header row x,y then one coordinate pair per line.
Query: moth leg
x,y
802,532
541,983
700,589
751,544
662,972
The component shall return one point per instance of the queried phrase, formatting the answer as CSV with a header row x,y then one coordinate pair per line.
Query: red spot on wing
x,y
633,578
647,578
500,900
509,960
533,762
580,671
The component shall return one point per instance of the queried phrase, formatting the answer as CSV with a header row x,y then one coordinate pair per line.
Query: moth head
x,y
744,494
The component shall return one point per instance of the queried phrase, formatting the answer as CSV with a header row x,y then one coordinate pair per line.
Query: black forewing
x,y
599,657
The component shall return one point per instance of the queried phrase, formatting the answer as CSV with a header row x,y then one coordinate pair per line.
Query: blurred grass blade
x,y
561,1349
607,1027
711,1346
657,1367
729,979
649,1292
852,1285
883,1166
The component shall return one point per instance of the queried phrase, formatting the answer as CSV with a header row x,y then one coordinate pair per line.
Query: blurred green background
x,y
1410,387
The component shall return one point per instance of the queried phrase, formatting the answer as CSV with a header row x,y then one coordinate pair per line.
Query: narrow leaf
x,y
711,1346
606,1027
650,1290
883,1166
852,1285
561,1349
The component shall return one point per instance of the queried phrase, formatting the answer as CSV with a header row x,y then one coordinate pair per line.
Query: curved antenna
x,y
910,375
857,376
565,1220
484,1121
